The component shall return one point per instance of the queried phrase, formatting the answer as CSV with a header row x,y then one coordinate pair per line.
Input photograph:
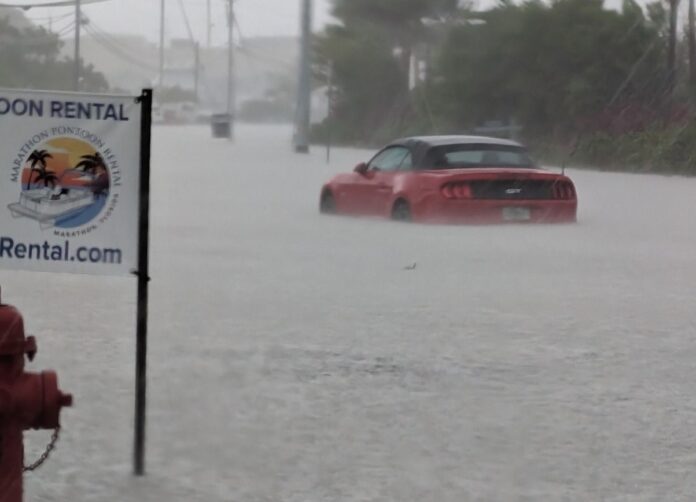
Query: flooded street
x,y
294,357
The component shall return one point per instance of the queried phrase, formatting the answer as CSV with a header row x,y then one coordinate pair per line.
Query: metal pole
x,y
209,22
230,67
161,47
143,280
196,70
329,115
78,23
304,94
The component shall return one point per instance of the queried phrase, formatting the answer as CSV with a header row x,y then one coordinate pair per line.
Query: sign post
x,y
143,275
75,196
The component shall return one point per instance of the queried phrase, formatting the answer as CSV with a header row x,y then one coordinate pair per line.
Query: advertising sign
x,y
69,182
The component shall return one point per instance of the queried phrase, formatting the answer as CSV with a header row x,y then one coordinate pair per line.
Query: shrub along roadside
x,y
659,149
655,150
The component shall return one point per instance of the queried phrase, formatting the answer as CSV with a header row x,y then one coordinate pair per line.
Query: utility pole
x,y
672,46
161,47
329,110
78,22
230,67
197,69
304,92
209,26
691,35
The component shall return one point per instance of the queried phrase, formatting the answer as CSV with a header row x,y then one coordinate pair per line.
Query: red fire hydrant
x,y
27,401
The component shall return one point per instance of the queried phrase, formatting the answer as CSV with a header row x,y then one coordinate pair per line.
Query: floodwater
x,y
294,358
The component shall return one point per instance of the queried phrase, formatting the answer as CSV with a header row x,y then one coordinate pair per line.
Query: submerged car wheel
x,y
401,211
327,205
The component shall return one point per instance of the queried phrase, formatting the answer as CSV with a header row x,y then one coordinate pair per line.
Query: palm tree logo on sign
x,y
65,184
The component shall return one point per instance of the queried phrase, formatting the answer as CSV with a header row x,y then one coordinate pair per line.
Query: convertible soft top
x,y
420,145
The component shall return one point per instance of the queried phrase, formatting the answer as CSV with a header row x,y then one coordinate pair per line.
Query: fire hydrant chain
x,y
44,456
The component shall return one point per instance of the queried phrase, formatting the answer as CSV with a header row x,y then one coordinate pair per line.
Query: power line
x,y
239,29
53,30
39,41
200,70
67,28
117,51
186,21
64,30
57,3
46,36
103,39
254,54
50,18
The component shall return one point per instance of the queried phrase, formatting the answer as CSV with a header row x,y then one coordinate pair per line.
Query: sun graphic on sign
x,y
65,183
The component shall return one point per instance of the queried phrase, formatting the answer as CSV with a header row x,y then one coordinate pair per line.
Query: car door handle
x,y
382,186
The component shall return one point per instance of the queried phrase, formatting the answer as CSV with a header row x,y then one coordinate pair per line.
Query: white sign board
x,y
69,181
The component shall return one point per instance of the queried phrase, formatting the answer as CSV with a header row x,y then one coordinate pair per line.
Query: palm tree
x,y
402,22
91,163
100,186
48,177
37,157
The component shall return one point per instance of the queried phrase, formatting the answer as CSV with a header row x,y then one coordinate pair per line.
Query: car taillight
x,y
456,190
564,191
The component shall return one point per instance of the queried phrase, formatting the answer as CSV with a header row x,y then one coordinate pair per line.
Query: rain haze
x,y
256,17
496,307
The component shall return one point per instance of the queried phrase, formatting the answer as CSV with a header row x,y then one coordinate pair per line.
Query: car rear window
x,y
477,155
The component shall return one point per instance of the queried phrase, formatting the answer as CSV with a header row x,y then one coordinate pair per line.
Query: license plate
x,y
516,214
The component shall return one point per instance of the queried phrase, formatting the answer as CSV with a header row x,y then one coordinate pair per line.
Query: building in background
x,y
194,78
265,70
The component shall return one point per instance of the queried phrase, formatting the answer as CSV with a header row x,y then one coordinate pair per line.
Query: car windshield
x,y
477,155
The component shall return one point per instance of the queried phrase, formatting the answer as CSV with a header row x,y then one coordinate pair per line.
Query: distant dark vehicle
x,y
453,179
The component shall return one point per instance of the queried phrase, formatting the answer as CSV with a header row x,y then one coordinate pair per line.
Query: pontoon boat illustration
x,y
47,206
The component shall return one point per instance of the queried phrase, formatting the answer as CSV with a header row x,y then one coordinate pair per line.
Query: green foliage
x,y
370,51
549,66
578,77
30,59
401,21
397,12
666,150
368,76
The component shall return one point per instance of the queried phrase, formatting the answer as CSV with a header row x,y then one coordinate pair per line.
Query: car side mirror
x,y
361,168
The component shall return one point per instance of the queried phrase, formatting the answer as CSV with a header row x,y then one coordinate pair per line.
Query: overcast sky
x,y
255,17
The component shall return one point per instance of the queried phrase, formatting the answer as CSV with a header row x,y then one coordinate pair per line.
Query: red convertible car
x,y
453,179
